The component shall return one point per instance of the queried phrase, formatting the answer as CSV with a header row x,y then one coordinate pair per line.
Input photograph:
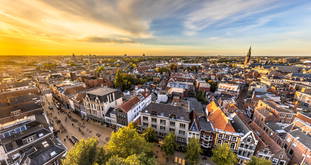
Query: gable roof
x,y
218,118
127,106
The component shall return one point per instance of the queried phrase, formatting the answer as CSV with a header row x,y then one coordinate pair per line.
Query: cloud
x,y
223,12
108,40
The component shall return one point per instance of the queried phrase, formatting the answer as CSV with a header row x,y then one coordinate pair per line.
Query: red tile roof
x,y
303,118
218,118
126,106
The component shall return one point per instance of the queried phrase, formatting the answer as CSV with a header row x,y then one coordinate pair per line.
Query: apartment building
x,y
129,110
98,101
229,88
268,110
223,129
166,118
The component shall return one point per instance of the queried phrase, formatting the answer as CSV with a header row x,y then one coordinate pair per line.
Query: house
x,y
200,128
248,141
268,110
129,110
223,129
267,148
98,101
166,118
229,88
298,146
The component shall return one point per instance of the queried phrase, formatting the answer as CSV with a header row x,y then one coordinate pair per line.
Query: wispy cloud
x,y
108,40
222,12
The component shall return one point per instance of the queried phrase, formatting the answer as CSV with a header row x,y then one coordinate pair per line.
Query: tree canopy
x,y
150,135
126,147
259,161
85,152
223,155
169,144
193,151
126,142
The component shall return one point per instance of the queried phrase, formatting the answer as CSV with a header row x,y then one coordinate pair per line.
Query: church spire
x,y
248,56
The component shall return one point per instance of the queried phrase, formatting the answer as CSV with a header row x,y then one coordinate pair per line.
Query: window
x,y
172,123
219,142
233,138
232,145
145,124
172,130
220,136
181,132
163,122
162,128
246,146
145,118
181,125
154,120
154,126
242,145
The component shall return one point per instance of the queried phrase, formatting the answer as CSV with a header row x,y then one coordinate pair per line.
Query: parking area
x,y
70,126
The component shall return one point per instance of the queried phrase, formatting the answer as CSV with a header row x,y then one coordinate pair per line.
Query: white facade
x,y
163,125
134,111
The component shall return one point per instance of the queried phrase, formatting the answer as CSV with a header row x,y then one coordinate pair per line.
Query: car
x,y
75,139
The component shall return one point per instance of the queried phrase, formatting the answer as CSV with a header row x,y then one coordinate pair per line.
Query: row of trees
x,y
128,147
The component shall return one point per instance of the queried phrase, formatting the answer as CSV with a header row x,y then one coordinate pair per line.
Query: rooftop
x,y
101,91
166,110
303,137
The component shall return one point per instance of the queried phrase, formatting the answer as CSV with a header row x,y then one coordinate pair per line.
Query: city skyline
x,y
134,27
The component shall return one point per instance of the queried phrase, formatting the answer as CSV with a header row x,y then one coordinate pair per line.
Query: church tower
x,y
248,57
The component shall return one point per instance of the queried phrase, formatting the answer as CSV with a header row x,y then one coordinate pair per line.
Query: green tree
x,y
223,155
213,84
130,160
150,135
118,79
100,69
173,67
193,151
169,144
126,142
259,161
201,96
101,156
85,152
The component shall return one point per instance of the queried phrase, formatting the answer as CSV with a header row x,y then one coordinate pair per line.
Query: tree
x,y
126,142
213,84
150,135
201,96
223,155
169,144
130,160
173,67
100,69
85,152
193,151
259,161
118,79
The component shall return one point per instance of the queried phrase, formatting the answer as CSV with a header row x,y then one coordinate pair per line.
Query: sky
x,y
155,27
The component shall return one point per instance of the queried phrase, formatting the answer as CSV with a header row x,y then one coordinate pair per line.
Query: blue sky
x,y
160,27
